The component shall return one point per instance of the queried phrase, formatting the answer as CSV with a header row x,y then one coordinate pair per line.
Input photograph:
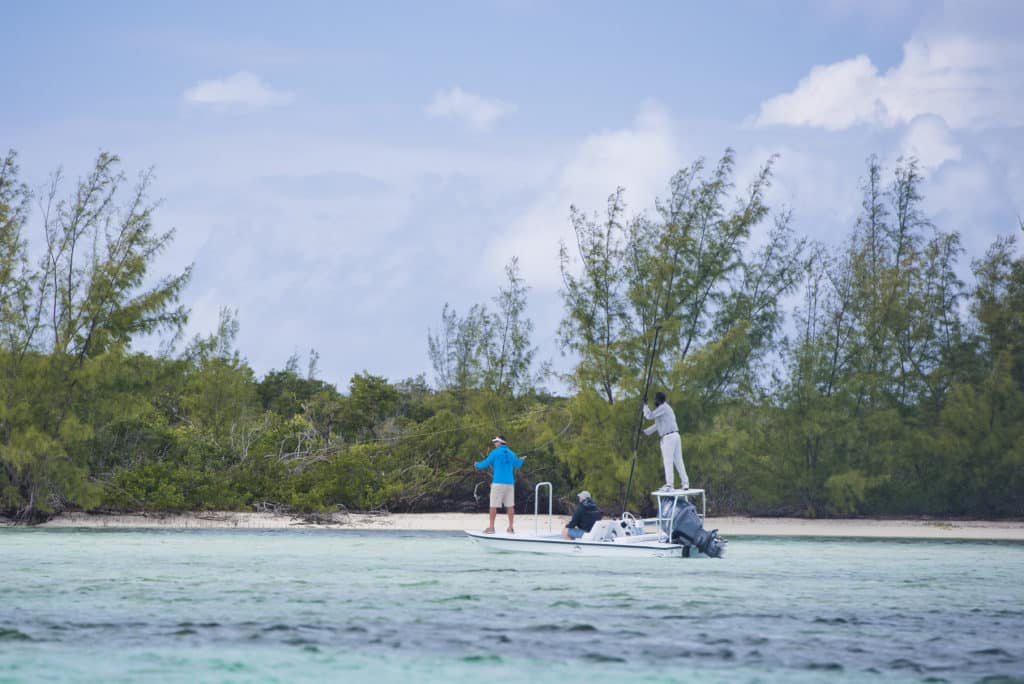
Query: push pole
x,y
640,421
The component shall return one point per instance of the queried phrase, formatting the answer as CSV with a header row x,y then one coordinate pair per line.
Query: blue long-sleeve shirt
x,y
505,462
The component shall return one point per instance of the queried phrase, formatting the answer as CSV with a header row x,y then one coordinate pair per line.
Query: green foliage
x,y
687,274
486,350
86,299
846,491
597,324
686,286
286,393
900,391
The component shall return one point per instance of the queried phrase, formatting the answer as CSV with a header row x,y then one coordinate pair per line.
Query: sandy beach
x,y
447,522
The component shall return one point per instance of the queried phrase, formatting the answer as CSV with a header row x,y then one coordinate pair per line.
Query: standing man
x,y
503,483
671,448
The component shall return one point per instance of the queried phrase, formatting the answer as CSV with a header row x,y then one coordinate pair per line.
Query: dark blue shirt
x,y
585,515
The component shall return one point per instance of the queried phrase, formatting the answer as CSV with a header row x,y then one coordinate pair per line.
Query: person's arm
x,y
484,463
574,521
649,415
658,411
517,461
653,415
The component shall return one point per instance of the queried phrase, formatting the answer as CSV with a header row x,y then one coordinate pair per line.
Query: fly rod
x,y
636,433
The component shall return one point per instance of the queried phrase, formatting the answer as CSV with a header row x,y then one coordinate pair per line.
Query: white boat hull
x,y
646,546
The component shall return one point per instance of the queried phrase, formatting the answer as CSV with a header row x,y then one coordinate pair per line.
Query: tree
x,y
219,404
287,393
597,323
92,285
485,350
97,260
458,351
981,440
687,272
20,318
881,344
685,277
371,400
508,352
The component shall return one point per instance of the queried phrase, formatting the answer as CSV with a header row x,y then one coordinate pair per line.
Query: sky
x,y
338,172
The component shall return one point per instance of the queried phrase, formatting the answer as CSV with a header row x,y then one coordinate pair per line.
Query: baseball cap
x,y
584,495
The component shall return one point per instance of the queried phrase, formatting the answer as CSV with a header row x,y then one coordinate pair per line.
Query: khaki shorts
x,y
503,495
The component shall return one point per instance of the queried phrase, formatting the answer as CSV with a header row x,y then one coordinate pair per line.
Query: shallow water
x,y
316,605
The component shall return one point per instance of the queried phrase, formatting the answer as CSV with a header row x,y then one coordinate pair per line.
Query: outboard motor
x,y
687,527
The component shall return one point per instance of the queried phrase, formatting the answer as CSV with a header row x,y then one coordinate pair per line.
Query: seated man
x,y
583,518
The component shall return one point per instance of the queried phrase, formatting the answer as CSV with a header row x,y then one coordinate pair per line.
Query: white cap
x,y
498,440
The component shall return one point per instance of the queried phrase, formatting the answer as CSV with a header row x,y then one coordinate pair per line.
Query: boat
x,y
677,532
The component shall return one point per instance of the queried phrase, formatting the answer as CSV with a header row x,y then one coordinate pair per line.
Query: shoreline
x,y
456,522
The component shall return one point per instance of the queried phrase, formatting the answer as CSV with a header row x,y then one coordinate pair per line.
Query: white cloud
x,y
480,113
968,81
929,139
815,179
974,180
641,158
243,88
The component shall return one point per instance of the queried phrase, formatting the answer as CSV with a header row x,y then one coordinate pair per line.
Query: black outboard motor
x,y
688,528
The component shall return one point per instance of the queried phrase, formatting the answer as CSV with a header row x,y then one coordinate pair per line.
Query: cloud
x,y
331,184
244,88
929,139
480,113
968,81
640,158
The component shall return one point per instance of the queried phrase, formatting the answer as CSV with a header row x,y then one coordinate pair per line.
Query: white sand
x,y
784,527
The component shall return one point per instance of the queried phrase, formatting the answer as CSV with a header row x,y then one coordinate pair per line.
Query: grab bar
x,y
536,505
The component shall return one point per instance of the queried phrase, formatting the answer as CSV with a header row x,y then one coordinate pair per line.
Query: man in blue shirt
x,y
503,493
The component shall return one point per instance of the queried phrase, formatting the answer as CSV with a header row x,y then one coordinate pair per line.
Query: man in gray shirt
x,y
671,448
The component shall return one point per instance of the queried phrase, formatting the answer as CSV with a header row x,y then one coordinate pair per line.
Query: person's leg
x,y
565,533
508,500
677,459
496,502
666,459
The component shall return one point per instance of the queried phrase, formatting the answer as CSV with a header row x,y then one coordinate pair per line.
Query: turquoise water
x,y
282,606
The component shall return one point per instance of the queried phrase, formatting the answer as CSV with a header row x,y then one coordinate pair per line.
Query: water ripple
x,y
184,606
